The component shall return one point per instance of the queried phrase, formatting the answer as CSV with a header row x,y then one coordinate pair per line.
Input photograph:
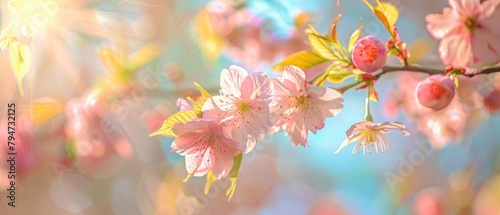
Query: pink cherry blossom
x,y
369,54
371,135
206,147
436,92
243,107
468,32
299,107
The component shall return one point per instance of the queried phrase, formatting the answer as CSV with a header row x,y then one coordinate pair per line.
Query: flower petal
x,y
489,8
491,22
328,100
298,134
347,142
294,79
440,25
218,108
466,8
455,50
485,48
394,126
257,86
231,80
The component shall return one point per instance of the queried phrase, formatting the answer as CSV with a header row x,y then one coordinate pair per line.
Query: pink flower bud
x,y
436,92
369,54
492,101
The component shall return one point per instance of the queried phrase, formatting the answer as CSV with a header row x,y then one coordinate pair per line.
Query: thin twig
x,y
413,68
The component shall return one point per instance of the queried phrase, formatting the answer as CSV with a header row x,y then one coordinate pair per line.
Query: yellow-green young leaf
x,y
197,105
302,59
383,20
43,109
386,12
355,36
20,60
389,10
319,45
111,61
233,175
142,57
210,179
333,26
179,117
339,75
320,79
203,92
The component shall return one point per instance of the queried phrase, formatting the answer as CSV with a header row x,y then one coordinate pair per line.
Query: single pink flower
x,y
243,106
436,92
369,54
468,32
300,107
206,147
371,135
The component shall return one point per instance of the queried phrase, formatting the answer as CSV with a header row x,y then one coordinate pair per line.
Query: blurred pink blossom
x,y
25,145
90,127
468,32
247,41
300,107
448,124
369,54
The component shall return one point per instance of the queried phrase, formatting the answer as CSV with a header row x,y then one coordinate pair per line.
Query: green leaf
x,y
355,36
319,45
234,175
20,60
179,117
302,59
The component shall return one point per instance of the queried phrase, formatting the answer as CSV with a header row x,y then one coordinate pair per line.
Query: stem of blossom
x,y
368,115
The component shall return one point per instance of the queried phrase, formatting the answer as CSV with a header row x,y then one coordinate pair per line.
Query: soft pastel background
x,y
103,162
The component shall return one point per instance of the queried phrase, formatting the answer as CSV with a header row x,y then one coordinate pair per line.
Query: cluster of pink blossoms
x,y
468,32
249,107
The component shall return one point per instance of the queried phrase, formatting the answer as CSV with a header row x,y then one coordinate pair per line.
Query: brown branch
x,y
412,68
